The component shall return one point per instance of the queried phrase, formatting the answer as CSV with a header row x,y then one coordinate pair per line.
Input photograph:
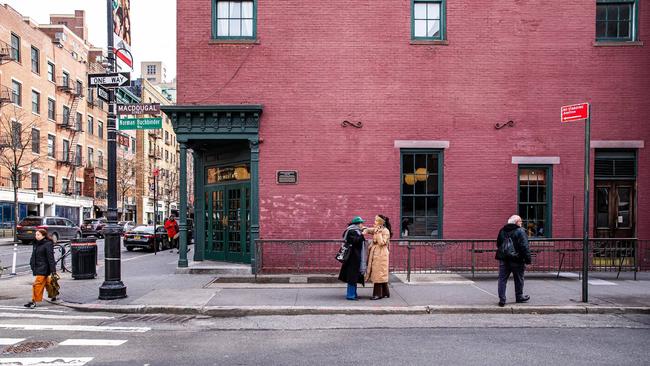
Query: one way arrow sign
x,y
109,80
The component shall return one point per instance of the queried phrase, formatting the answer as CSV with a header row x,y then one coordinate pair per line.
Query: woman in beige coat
x,y
377,271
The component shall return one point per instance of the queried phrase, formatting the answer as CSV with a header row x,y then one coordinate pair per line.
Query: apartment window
x,y
51,145
79,87
535,192
90,125
66,115
235,19
428,19
51,109
166,137
17,134
78,155
50,72
616,20
132,145
15,47
35,178
421,202
100,159
66,150
36,102
77,188
36,141
90,95
91,157
166,156
16,93
78,121
36,60
65,185
151,69
50,183
65,80
100,129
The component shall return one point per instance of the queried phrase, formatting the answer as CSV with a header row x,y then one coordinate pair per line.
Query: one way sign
x,y
109,80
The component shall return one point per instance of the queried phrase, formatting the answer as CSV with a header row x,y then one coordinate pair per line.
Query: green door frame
x,y
244,255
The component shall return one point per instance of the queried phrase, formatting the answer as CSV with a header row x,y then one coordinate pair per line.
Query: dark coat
x,y
519,240
42,261
351,269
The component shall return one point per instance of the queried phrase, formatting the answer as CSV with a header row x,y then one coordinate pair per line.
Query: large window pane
x,y
420,194
534,200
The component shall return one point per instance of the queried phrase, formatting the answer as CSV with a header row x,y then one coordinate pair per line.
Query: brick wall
x,y
318,63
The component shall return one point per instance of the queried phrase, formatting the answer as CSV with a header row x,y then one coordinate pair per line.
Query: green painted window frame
x,y
215,16
440,158
443,20
548,220
634,22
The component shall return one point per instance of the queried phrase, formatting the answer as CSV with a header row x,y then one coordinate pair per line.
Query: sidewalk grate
x,y
26,347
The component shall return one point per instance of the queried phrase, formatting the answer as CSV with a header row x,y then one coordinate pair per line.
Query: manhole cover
x,y
26,347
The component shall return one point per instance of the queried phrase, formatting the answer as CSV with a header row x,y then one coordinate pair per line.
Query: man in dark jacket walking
x,y
513,264
351,269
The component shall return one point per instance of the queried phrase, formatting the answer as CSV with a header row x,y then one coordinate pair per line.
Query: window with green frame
x,y
234,19
421,201
616,20
534,200
428,19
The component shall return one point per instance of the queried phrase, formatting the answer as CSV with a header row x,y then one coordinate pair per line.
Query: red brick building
x,y
397,107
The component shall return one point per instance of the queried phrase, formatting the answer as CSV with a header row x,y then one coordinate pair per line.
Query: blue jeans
x,y
517,270
352,291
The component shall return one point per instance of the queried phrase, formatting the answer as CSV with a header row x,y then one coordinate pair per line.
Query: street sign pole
x,y
585,222
112,288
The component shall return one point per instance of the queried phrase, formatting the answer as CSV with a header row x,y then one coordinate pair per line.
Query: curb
x,y
241,311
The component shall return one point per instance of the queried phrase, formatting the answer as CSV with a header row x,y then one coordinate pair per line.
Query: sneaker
x,y
30,305
52,298
523,298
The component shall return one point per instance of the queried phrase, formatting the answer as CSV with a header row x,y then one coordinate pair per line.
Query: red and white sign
x,y
156,172
574,112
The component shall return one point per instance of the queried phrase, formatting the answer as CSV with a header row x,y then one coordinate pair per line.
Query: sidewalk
x,y
153,287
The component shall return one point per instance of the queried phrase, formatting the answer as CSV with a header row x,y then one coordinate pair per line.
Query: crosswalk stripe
x,y
92,342
10,341
47,316
49,361
75,328
22,308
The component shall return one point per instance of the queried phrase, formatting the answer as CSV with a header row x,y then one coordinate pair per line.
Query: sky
x,y
153,26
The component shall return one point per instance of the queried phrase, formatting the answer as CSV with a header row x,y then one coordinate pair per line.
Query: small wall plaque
x,y
287,177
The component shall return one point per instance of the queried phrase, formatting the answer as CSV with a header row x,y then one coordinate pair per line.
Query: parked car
x,y
57,227
143,237
126,226
93,227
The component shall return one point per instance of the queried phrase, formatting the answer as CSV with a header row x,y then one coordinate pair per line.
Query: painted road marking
x,y
48,316
76,328
10,341
22,308
50,361
92,342
601,283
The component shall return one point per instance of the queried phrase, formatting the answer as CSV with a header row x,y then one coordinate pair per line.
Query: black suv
x,y
93,227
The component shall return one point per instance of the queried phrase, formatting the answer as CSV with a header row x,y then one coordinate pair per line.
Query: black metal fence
x,y
458,255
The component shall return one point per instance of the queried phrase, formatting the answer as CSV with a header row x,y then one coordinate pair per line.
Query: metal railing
x,y
457,255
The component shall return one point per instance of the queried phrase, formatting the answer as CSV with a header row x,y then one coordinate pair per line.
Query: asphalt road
x,y
110,339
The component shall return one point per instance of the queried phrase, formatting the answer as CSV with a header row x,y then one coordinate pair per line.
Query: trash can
x,y
84,258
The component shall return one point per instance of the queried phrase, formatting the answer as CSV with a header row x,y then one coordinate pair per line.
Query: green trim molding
x,y
215,121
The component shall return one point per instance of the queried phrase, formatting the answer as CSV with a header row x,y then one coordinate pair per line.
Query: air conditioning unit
x,y
59,37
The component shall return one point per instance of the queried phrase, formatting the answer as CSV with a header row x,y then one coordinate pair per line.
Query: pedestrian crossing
x,y
45,324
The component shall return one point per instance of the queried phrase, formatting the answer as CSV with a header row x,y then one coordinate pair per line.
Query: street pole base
x,y
182,263
112,290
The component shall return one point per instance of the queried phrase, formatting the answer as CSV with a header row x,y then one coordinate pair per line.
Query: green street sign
x,y
139,123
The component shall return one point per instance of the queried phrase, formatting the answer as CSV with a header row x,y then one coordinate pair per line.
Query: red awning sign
x,y
574,112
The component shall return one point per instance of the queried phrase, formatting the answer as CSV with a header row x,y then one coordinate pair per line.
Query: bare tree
x,y
126,170
170,189
15,148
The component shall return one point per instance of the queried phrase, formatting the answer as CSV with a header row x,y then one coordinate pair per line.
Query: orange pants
x,y
38,287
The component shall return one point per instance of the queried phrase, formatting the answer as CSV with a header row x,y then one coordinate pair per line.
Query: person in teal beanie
x,y
351,269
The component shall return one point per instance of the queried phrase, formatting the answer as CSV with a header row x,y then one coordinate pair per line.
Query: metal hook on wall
x,y
500,126
352,124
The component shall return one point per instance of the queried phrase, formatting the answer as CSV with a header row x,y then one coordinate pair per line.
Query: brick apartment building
x,y
43,73
442,115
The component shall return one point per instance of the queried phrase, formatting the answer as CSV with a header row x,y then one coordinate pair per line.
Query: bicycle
x,y
62,256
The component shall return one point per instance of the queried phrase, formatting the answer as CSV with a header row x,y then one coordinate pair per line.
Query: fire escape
x,y
6,55
69,156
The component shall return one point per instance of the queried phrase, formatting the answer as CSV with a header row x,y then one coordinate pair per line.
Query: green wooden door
x,y
227,235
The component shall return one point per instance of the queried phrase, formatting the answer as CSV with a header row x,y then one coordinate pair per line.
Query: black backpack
x,y
507,248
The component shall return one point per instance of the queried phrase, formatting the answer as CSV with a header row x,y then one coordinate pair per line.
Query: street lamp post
x,y
113,287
